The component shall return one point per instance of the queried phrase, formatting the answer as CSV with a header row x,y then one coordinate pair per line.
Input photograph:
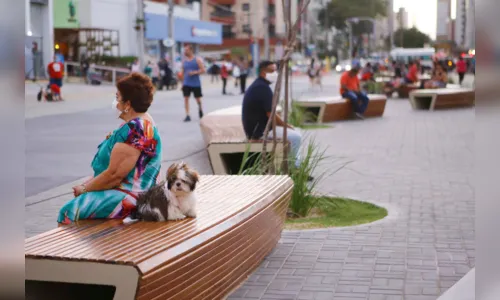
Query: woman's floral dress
x,y
120,201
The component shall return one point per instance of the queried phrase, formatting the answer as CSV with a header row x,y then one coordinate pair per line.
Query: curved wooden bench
x,y
330,109
240,219
226,142
430,99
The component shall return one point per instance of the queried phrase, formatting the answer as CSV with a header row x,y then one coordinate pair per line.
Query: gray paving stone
x,y
417,164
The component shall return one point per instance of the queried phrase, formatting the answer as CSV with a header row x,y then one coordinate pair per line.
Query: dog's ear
x,y
172,170
194,176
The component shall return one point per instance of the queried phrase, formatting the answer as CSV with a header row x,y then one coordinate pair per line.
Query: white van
x,y
405,54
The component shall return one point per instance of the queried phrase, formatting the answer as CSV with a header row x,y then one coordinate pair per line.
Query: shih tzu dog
x,y
172,199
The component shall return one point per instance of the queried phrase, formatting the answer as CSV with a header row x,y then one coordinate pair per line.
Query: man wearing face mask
x,y
257,107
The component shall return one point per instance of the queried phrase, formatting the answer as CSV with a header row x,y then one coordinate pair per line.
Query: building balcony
x,y
223,17
221,2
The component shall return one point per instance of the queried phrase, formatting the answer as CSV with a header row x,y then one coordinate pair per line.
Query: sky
x,y
421,13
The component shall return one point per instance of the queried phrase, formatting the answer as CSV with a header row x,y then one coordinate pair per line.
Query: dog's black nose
x,y
178,184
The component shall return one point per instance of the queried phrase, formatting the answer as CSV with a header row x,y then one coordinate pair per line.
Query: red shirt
x,y
413,73
350,82
224,72
55,89
461,66
55,70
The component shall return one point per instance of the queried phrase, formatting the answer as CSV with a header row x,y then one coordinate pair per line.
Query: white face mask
x,y
114,105
272,76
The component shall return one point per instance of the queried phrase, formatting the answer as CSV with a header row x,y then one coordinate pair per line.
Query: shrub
x,y
302,200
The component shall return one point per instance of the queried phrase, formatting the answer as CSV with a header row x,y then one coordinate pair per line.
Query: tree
x,y
410,38
338,11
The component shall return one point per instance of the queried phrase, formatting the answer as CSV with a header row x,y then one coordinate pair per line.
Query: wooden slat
x,y
113,241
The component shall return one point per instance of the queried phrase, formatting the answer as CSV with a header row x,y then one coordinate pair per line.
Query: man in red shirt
x,y
56,73
461,69
412,75
349,88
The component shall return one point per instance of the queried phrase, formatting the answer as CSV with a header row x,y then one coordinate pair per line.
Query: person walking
x,y
461,69
243,74
192,67
224,74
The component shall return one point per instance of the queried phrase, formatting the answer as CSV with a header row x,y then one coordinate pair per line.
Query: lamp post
x,y
349,27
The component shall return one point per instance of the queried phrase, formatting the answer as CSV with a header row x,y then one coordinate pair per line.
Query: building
x,y
464,33
401,19
188,28
470,27
243,21
443,24
39,36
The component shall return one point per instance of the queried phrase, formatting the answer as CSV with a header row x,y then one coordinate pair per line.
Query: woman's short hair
x,y
138,89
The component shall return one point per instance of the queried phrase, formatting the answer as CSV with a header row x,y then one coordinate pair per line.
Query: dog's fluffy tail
x,y
129,220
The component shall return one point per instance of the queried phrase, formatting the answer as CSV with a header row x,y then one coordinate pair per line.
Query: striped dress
x,y
120,201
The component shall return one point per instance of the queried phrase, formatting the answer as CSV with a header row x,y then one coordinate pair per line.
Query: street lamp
x,y
349,27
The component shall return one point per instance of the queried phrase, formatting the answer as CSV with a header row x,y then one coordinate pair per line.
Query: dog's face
x,y
181,180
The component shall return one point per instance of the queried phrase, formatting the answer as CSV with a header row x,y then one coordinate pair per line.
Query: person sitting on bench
x,y
349,88
256,110
127,162
439,78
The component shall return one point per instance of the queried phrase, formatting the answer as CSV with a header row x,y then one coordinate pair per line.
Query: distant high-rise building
x,y
443,24
401,19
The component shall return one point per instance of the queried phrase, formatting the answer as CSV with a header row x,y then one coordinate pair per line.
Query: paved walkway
x,y
417,164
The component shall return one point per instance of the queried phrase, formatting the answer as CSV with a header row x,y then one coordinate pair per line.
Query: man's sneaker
x,y
200,112
39,96
359,116
187,119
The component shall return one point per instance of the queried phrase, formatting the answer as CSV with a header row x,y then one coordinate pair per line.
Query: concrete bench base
x,y
240,219
222,131
330,109
430,99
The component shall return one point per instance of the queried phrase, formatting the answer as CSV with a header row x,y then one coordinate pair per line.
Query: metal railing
x,y
107,74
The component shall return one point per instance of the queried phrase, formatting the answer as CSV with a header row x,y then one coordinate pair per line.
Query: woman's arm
x,y
123,159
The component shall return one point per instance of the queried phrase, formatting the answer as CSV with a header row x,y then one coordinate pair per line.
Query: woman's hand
x,y
78,190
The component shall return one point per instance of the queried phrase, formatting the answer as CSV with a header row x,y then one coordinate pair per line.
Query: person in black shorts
x,y
192,67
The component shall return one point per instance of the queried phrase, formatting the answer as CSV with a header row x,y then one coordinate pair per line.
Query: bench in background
x,y
240,219
329,109
430,99
226,142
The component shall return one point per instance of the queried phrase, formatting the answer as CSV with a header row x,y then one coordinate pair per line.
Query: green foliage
x,y
302,196
410,38
336,212
303,199
115,61
338,11
374,87
298,116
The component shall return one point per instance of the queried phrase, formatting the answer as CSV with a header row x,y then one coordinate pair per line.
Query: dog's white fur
x,y
181,200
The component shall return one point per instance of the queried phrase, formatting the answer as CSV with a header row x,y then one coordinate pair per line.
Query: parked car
x,y
343,65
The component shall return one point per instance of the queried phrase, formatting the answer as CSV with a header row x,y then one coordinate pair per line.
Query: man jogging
x,y
192,67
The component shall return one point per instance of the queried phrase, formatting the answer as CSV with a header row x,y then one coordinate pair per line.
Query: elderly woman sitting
x,y
127,162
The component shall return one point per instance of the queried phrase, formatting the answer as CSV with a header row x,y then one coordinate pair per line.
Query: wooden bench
x,y
329,109
405,89
240,219
226,142
430,99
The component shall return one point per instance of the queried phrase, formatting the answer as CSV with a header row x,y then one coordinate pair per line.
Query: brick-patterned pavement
x,y
417,164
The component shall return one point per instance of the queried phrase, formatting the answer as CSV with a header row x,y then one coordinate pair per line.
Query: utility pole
x,y
171,50
266,29
140,33
390,19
